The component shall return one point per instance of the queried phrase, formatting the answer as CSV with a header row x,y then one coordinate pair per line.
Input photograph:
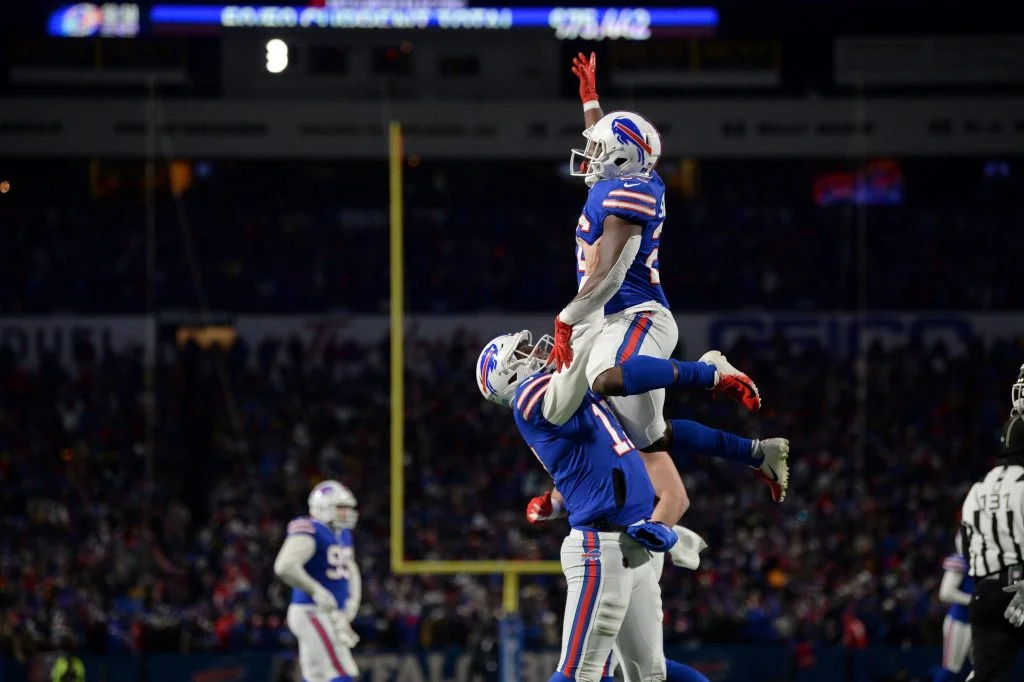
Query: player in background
x,y
956,589
620,310
318,562
614,594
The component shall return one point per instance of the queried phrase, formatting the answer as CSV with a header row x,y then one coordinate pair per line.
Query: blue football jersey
x,y
332,562
639,201
958,562
594,465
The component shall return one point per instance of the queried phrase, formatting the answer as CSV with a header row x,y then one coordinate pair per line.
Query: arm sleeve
x,y
291,561
565,391
355,592
949,589
583,307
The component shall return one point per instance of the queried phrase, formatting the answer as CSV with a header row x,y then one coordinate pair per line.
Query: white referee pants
x,y
614,599
321,657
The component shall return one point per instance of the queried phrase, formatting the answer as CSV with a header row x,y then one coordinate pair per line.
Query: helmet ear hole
x,y
619,161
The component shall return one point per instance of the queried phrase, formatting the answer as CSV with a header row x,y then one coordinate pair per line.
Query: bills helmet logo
x,y
488,363
628,133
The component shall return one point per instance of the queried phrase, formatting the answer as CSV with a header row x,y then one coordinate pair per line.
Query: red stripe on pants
x,y
580,626
636,337
327,645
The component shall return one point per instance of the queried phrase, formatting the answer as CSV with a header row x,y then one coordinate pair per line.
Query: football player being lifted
x,y
620,311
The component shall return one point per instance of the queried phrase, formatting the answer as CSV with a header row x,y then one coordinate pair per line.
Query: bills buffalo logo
x,y
627,132
592,555
488,363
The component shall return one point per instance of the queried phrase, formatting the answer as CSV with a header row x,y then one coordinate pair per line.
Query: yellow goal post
x,y
509,570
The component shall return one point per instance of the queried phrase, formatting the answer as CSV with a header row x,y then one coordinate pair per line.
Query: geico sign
x,y
841,334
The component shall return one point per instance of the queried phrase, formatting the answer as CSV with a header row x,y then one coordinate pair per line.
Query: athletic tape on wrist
x,y
592,104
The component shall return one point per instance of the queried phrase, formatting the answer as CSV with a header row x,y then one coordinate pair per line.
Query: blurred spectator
x,y
280,237
176,554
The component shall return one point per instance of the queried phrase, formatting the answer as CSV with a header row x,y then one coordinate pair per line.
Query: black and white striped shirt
x,y
993,517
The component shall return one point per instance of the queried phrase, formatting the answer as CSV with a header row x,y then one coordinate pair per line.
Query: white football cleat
x,y
732,383
774,469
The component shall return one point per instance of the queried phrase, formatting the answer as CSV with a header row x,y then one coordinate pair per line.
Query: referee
x,y
993,516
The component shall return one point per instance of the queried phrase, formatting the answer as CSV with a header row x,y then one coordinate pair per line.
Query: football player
x,y
608,497
318,562
620,308
956,589
685,553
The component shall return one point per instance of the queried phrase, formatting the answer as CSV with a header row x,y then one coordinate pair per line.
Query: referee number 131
x,y
994,501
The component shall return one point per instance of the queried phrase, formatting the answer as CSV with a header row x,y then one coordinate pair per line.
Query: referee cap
x,y
1013,435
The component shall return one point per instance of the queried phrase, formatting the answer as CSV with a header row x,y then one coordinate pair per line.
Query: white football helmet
x,y
622,144
333,504
1017,394
507,361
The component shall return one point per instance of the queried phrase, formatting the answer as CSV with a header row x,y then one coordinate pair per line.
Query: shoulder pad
x,y
629,198
529,397
301,526
955,562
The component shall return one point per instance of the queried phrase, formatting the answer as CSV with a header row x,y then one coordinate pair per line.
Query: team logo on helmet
x,y
627,132
324,489
488,362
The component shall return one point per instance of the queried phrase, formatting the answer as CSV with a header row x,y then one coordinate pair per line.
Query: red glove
x,y
561,354
542,508
586,71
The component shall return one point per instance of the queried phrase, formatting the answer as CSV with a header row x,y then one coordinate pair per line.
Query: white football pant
x,y
647,329
956,644
321,657
614,599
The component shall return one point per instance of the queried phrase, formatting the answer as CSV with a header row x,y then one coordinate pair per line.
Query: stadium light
x,y
277,55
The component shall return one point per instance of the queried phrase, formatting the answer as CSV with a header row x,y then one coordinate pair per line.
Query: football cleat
x,y
732,383
774,468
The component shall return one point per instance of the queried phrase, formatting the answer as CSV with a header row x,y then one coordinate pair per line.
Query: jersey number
x,y
339,561
620,441
652,261
581,259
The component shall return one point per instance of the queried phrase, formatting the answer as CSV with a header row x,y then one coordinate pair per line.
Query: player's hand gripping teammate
x,y
620,311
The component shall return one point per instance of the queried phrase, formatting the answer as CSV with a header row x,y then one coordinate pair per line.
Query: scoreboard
x,y
566,23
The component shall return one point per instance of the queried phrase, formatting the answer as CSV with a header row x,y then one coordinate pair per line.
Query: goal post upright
x,y
510,626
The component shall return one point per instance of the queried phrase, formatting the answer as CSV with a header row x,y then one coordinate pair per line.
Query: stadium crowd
x,y
287,239
122,551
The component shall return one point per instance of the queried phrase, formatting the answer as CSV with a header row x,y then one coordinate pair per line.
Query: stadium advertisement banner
x,y
774,663
31,339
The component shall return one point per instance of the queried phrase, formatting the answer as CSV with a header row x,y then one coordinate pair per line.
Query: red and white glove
x,y
586,70
561,354
543,508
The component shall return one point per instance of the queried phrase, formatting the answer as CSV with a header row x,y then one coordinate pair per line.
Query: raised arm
x,y
586,70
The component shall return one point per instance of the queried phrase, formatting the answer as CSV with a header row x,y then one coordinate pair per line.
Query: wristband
x,y
592,104
556,507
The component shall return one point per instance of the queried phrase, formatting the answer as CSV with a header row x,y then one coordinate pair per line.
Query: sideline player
x,y
318,562
620,308
614,594
955,590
